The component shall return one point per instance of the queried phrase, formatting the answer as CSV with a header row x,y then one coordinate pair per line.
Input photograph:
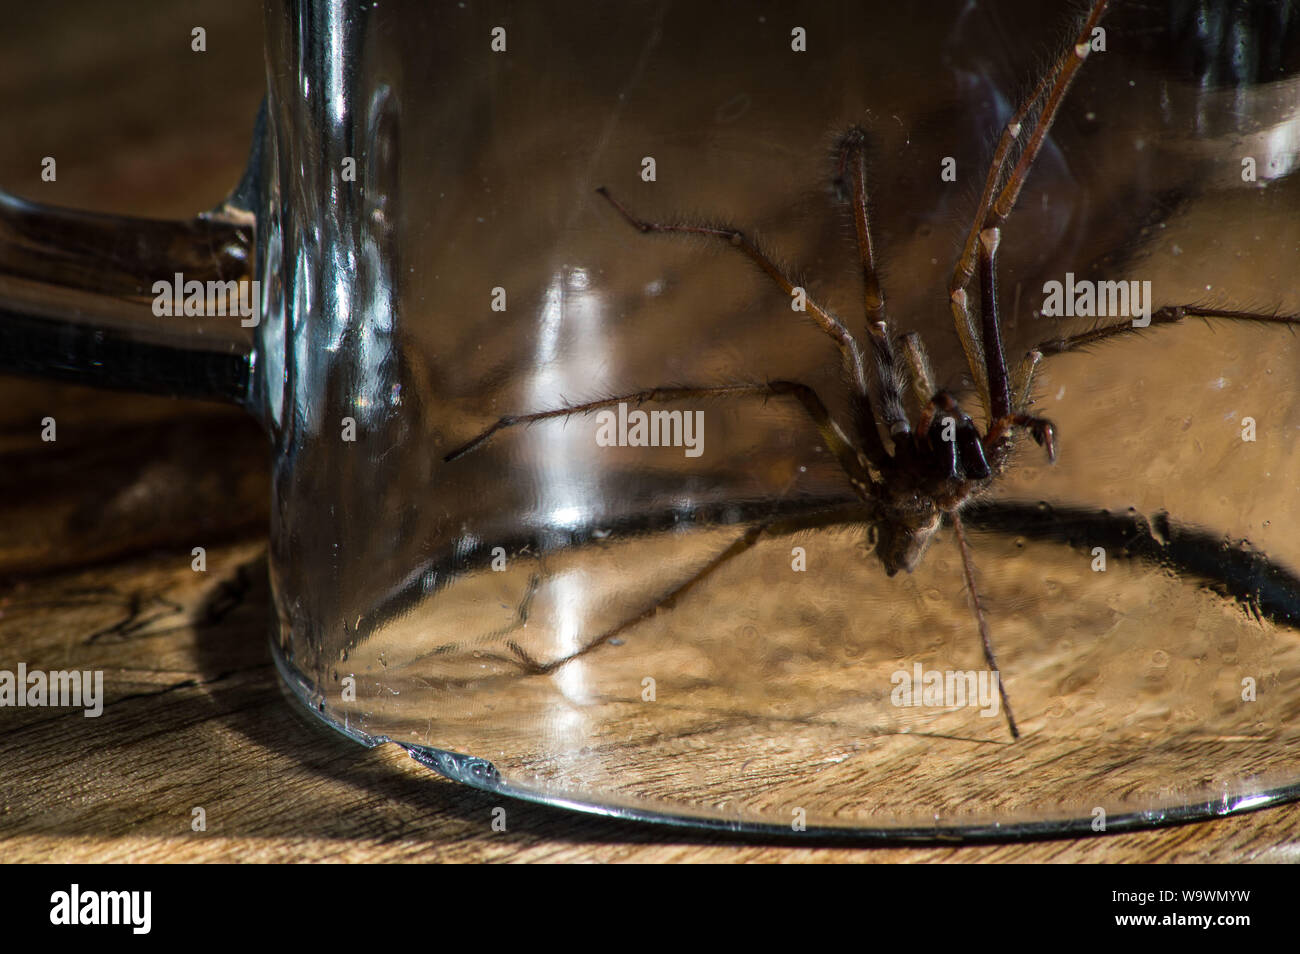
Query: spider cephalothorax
x,y
933,470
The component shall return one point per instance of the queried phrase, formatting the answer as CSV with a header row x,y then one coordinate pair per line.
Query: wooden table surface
x,y
96,531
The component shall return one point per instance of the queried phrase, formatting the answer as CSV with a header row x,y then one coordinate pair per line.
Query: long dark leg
x,y
995,361
986,637
827,322
745,542
1022,383
519,621
1003,419
1170,315
993,212
920,372
1066,69
836,440
996,205
853,165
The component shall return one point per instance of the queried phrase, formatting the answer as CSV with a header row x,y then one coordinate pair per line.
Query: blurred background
x,y
139,124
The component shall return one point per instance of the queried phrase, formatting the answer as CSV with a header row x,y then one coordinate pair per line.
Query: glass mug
x,y
564,608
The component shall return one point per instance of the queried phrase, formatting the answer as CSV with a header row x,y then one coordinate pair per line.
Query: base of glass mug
x,y
482,774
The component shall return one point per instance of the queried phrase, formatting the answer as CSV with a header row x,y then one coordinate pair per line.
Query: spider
x,y
911,476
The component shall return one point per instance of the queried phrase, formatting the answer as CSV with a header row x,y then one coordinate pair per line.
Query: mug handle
x,y
77,295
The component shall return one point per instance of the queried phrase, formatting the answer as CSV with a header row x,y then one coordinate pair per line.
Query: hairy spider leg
x,y
853,463
986,638
858,512
521,615
853,162
996,205
1022,384
1169,315
1002,416
874,446
920,373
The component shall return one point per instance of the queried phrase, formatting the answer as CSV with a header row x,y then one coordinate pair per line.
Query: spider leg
x,y
968,446
782,526
986,638
971,346
993,211
995,205
888,386
1022,384
826,321
1169,315
1066,68
519,621
928,397
995,361
919,370
850,459
1041,428
1003,415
